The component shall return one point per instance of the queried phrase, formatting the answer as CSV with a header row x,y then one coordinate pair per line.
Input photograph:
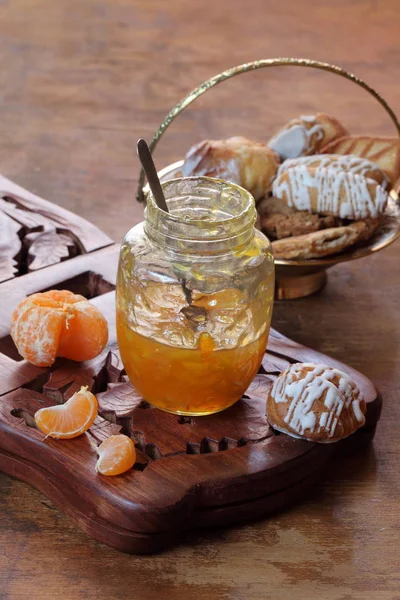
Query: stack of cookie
x,y
318,189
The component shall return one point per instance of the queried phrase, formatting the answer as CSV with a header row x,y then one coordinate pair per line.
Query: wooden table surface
x,y
80,82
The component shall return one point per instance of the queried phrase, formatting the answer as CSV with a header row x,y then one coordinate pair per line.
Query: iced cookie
x,y
315,402
347,187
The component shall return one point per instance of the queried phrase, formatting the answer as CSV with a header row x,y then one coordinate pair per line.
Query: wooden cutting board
x,y
190,472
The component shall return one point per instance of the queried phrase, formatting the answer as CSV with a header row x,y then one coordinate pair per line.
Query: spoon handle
x,y
151,174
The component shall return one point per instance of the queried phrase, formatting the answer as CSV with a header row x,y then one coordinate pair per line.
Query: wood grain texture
x,y
215,470
80,83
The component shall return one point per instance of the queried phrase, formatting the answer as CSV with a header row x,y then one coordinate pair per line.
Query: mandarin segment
x,y
58,323
117,455
70,419
36,332
64,296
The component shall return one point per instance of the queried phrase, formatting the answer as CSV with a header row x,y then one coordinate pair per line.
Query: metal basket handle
x,y
252,66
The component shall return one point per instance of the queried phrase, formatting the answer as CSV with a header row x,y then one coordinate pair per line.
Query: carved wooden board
x,y
35,233
190,472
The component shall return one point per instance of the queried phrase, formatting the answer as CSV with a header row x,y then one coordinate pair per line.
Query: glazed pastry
x,y
324,242
332,186
237,159
383,151
306,135
348,162
315,402
278,221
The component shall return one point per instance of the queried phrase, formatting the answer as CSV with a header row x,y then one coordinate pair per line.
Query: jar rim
x,y
177,219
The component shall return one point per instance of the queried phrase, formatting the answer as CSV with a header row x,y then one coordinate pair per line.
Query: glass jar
x,y
195,293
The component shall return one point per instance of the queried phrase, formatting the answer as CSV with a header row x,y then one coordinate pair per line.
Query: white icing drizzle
x,y
357,411
295,139
308,118
290,143
194,157
347,162
331,179
303,391
316,128
224,168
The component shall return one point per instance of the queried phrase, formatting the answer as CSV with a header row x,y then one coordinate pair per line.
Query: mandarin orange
x,y
117,454
70,419
58,323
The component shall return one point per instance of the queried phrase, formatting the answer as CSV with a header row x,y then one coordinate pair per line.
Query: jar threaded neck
x,y
206,215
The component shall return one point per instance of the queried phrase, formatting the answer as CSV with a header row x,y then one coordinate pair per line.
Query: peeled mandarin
x,y
58,323
117,454
70,419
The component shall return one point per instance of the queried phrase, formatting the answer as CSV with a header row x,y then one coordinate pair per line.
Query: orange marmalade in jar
x,y
194,297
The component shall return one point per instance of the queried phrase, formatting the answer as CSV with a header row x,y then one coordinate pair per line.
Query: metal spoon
x,y
194,314
151,173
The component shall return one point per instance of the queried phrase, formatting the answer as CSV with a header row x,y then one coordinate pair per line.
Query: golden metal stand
x,y
294,278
